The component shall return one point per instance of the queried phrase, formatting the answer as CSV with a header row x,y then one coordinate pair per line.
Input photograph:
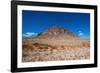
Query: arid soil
x,y
34,50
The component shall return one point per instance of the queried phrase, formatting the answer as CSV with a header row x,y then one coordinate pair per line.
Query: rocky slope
x,y
57,32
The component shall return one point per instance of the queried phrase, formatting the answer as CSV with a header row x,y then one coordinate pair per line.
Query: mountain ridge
x,y
57,32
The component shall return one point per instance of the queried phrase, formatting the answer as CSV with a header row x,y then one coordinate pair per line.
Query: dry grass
x,y
53,50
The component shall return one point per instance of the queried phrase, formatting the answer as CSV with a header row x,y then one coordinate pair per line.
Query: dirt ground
x,y
34,50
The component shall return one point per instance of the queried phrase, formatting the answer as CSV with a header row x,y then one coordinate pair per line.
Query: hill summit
x,y
57,32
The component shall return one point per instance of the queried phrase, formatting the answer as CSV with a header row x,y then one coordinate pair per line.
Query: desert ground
x,y
34,50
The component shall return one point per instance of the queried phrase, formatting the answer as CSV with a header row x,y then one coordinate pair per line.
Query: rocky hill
x,y
57,32
55,44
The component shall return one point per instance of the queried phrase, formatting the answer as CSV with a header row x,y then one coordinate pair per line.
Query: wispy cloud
x,y
29,34
80,33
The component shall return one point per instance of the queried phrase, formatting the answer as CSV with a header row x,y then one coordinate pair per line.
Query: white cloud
x,y
80,34
29,34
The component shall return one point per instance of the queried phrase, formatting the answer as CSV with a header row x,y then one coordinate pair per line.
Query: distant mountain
x,y
57,32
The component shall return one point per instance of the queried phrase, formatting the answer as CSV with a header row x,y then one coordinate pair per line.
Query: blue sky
x,y
34,22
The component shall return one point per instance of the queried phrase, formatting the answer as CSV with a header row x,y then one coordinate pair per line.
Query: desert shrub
x,y
63,47
27,47
44,45
86,44
41,46
24,45
24,54
36,44
54,47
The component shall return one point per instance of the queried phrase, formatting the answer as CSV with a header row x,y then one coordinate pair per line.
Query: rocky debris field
x,y
33,52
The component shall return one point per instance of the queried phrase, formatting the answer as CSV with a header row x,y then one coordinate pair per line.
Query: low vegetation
x,y
38,51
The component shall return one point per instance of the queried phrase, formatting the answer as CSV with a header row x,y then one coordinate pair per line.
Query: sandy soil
x,y
53,50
